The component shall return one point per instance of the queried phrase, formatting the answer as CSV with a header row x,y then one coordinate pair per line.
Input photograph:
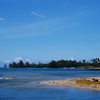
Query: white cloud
x,y
37,14
17,59
2,19
28,60
41,28
71,58
7,61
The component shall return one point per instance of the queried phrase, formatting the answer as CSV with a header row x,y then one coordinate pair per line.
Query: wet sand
x,y
72,83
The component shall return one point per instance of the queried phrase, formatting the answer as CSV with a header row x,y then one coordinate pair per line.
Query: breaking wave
x,y
6,78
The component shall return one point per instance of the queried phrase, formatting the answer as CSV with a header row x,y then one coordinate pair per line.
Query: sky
x,y
45,30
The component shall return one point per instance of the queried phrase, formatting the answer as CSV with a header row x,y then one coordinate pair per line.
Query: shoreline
x,y
72,83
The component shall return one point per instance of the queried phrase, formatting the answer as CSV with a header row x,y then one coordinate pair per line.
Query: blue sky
x,y
45,30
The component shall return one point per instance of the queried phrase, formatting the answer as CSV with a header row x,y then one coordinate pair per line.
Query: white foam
x,y
1,77
6,77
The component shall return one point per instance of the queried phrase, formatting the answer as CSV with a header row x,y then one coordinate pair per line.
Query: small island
x,y
73,82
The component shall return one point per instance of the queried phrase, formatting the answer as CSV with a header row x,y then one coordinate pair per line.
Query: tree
x,y
96,62
14,65
21,64
5,66
53,64
10,65
84,61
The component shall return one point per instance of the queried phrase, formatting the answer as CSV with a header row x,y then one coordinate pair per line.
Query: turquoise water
x,y
28,84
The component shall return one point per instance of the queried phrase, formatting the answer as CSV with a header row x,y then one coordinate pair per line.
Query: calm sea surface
x,y
28,84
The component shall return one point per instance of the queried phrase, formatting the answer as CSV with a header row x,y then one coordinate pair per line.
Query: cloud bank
x,y
71,58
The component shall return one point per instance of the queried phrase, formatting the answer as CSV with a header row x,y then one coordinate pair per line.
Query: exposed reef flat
x,y
73,83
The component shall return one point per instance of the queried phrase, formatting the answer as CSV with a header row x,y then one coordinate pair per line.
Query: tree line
x,y
57,64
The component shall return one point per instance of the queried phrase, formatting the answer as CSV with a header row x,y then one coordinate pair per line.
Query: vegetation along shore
x,y
93,64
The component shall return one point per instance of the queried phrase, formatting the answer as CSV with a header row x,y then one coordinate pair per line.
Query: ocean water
x,y
28,84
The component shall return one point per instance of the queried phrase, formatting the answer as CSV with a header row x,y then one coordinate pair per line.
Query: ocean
x,y
28,84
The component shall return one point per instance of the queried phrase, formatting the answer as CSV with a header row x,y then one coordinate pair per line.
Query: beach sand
x,y
72,83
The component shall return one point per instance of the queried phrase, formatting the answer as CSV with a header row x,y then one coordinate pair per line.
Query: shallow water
x,y
28,84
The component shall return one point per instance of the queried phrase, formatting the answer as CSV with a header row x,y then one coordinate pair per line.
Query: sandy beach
x,y
72,83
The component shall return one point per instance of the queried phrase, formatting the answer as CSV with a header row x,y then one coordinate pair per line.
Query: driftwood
x,y
95,80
